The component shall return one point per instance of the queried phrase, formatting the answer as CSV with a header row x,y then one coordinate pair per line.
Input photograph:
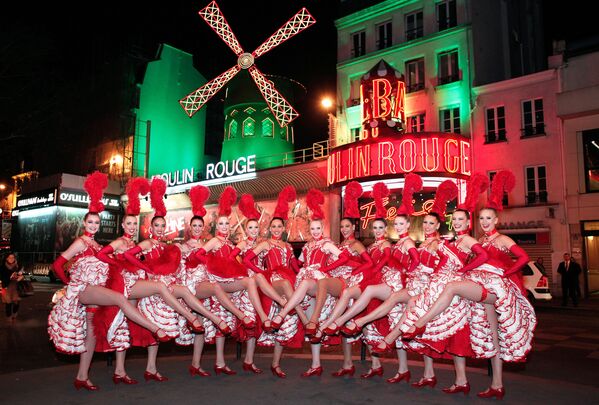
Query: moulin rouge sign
x,y
384,148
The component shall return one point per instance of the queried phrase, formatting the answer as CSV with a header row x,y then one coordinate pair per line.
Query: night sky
x,y
66,72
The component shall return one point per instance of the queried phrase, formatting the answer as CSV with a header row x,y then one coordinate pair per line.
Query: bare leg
x,y
375,361
198,347
195,304
85,359
152,356
460,370
465,289
380,291
341,305
325,286
250,348
347,360
119,368
386,307
248,284
306,287
220,352
96,295
402,357
284,288
206,290
496,363
276,355
315,349
268,289
396,331
145,288
429,370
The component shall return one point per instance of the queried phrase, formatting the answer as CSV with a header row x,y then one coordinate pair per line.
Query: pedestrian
x,y
540,266
569,270
11,274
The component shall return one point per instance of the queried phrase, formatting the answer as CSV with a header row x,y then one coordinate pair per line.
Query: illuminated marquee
x,y
425,153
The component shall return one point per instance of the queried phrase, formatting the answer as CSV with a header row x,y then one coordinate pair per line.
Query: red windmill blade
x,y
281,109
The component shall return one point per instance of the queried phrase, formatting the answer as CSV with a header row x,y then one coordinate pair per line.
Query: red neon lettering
x,y
365,108
449,156
363,161
341,175
426,208
331,168
381,103
465,163
404,165
430,161
386,152
399,110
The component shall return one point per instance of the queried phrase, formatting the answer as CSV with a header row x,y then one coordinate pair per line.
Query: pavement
x,y
563,368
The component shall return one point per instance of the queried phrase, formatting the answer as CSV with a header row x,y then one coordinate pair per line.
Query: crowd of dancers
x,y
446,298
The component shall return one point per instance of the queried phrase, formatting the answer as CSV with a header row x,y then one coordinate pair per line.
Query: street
x,y
564,366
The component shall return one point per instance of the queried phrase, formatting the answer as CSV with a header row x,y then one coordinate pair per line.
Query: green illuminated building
x,y
176,141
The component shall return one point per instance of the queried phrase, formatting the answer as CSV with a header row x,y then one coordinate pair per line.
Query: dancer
x,y
70,324
510,316
278,261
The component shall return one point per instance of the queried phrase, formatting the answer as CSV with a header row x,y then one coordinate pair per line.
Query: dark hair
x,y
275,218
90,213
383,220
353,221
252,219
464,211
196,217
157,217
435,215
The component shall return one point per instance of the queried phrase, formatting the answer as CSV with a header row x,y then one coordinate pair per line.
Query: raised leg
x,y
342,304
306,287
325,286
268,289
380,291
386,307
195,304
284,288
145,288
207,289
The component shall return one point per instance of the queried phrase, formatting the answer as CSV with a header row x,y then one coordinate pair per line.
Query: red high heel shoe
x,y
251,367
198,371
125,379
350,331
226,329
310,331
159,338
276,325
312,371
331,331
249,324
317,337
498,393
224,369
415,333
344,371
277,372
372,372
454,389
85,384
399,377
384,349
155,376
267,328
424,382
194,327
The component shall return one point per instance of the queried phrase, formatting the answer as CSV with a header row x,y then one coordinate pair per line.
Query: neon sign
x,y
426,153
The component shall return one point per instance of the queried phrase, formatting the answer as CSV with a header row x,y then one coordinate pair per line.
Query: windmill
x,y
283,111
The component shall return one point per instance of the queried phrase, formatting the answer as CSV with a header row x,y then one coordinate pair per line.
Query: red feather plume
x,y
477,185
286,196
157,191
226,201
446,192
353,191
379,192
314,199
95,184
198,196
248,207
504,181
412,184
135,187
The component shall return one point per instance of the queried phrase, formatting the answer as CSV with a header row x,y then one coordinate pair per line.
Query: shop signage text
x,y
79,198
37,200
231,167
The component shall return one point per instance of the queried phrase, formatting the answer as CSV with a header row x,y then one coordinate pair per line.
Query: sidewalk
x,y
54,385
590,303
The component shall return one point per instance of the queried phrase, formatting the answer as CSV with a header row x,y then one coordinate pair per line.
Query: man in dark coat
x,y
569,270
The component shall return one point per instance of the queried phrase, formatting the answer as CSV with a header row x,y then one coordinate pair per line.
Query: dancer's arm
x,y
102,255
521,260
480,258
131,257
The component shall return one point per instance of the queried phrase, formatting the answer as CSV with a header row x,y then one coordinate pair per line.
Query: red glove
x,y
102,255
59,268
414,259
443,259
234,253
480,258
200,255
247,260
521,260
366,263
131,257
383,260
296,265
341,260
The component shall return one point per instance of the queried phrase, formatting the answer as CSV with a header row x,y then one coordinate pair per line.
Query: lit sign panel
x,y
231,167
81,199
426,153
38,199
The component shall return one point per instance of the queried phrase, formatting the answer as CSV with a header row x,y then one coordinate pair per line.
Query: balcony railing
x,y
533,130
449,78
414,33
533,198
318,151
496,136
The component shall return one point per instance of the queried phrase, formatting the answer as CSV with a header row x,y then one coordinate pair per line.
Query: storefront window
x,y
590,141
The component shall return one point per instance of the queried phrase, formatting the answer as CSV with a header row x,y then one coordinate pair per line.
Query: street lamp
x,y
2,187
327,104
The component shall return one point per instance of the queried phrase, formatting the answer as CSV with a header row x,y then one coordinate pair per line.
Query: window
x,y
536,185
268,128
533,122
446,15
233,128
356,133
504,202
415,75
416,123
448,67
384,35
354,93
249,127
450,120
590,146
359,44
495,125
283,132
414,25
